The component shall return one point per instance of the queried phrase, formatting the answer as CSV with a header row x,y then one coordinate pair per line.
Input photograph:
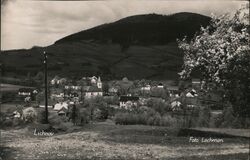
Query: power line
x,y
45,87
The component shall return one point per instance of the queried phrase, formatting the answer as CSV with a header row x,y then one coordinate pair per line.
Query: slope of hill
x,y
151,29
142,46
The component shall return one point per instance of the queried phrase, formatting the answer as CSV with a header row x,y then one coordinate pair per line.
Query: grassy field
x,y
105,140
10,87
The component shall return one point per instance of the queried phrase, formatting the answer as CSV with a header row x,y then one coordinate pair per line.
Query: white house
x,y
57,95
93,91
160,85
113,90
72,87
25,91
175,105
59,106
146,88
99,83
43,106
93,80
192,93
128,102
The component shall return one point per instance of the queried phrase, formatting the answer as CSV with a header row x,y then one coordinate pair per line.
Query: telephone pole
x,y
45,87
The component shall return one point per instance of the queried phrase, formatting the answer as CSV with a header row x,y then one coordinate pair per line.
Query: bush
x,y
7,123
146,118
41,116
204,118
29,115
228,120
83,116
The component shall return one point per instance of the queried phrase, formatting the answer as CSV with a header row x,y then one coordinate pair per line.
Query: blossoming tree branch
x,y
221,53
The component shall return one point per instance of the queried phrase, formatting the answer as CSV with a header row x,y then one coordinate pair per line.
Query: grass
x,y
10,87
105,140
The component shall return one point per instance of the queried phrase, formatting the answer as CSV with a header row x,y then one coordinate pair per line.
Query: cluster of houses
x,y
87,87
65,92
28,94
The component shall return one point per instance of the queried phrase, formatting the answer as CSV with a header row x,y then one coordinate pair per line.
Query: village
x,y
118,95
110,113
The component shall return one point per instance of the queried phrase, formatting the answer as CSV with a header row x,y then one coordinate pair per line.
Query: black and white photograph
x,y
125,80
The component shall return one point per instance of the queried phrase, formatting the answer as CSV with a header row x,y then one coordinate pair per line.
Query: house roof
x,y
25,90
74,94
94,89
59,106
175,103
62,110
173,88
195,80
128,98
85,88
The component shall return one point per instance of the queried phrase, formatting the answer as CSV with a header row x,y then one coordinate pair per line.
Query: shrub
x,y
227,117
41,116
204,118
83,116
146,118
228,120
7,123
29,115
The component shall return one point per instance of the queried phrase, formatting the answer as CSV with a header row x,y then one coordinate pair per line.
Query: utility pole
x,y
45,87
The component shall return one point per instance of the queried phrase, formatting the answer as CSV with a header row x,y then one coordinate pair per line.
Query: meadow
x,y
105,140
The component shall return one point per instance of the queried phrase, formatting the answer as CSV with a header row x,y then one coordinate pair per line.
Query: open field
x,y
105,140
11,87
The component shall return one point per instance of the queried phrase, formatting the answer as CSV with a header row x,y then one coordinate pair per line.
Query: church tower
x,y
99,83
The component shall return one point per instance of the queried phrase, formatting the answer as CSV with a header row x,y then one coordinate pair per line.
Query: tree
x,y
39,77
40,97
221,52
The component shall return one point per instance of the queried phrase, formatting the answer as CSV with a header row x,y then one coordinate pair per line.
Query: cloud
x,y
28,23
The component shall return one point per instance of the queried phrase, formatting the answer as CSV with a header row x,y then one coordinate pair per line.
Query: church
x,y
95,89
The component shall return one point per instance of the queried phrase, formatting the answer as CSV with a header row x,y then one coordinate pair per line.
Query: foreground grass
x,y
109,141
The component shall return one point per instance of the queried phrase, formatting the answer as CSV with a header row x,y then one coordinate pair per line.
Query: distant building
x,y
43,106
146,88
62,112
192,93
54,81
160,85
57,80
99,83
196,83
191,98
73,87
25,91
174,91
128,102
59,106
175,105
93,80
113,90
93,91
57,94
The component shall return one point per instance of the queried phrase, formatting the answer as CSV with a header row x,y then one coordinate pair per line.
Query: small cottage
x,y
128,101
59,106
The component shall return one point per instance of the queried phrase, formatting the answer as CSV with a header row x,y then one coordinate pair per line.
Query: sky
x,y
28,23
